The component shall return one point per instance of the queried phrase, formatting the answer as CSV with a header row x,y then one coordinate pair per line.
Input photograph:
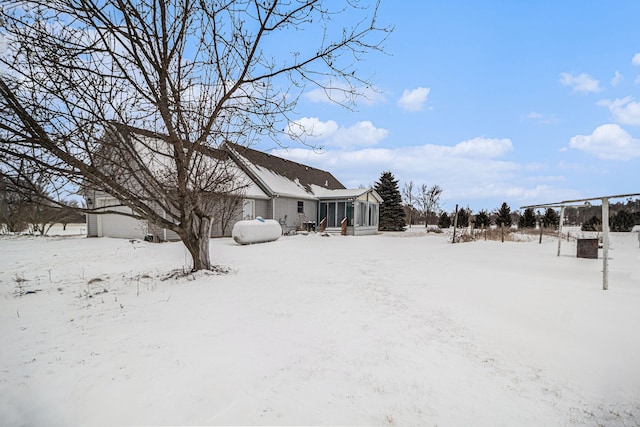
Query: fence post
x,y
605,244
560,228
455,224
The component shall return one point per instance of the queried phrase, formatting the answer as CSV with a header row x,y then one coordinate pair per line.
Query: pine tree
x,y
444,221
391,211
463,218
482,219
504,216
592,224
551,218
622,221
528,219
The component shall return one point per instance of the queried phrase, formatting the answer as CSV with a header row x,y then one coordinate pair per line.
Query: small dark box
x,y
588,248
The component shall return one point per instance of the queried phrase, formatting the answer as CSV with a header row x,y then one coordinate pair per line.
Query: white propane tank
x,y
257,230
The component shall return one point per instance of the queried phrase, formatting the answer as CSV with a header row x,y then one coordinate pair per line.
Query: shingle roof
x,y
271,170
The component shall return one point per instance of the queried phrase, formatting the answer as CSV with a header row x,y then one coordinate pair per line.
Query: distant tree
x,y
429,200
25,201
503,216
587,211
444,221
528,219
623,221
592,224
70,214
411,214
12,207
41,217
463,217
482,220
409,199
515,217
551,219
391,211
571,213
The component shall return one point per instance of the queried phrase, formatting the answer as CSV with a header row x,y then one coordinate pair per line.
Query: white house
x,y
297,196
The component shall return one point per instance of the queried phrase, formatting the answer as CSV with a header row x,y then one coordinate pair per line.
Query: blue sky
x,y
495,101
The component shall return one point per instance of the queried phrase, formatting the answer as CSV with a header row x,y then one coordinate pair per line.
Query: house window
x,y
367,214
248,209
373,215
335,212
300,207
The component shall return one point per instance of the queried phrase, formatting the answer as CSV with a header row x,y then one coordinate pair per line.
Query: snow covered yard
x,y
395,329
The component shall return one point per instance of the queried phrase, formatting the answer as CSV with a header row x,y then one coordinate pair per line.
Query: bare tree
x,y
12,207
227,209
24,202
85,79
409,196
70,214
429,200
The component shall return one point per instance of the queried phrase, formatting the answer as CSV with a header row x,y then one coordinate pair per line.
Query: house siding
x,y
286,212
263,209
171,236
216,227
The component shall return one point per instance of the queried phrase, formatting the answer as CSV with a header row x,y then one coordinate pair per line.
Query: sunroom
x,y
352,212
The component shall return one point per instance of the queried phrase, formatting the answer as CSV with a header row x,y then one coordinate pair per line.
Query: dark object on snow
x,y
588,248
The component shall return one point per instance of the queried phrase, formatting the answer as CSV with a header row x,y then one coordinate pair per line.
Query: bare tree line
x,y
425,199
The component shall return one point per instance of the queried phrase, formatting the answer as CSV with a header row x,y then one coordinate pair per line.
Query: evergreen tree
x,y
391,210
444,221
482,220
504,216
463,218
528,219
592,224
622,221
551,218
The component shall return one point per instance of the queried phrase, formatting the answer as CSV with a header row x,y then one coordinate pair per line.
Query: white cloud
x,y
625,111
608,142
355,166
637,80
538,118
343,94
531,116
361,134
482,147
581,82
472,169
617,79
311,127
414,100
636,59
315,132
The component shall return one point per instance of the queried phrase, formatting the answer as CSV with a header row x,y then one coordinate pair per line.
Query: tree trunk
x,y
196,239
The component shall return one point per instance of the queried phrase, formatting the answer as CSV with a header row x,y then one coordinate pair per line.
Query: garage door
x,y
112,225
